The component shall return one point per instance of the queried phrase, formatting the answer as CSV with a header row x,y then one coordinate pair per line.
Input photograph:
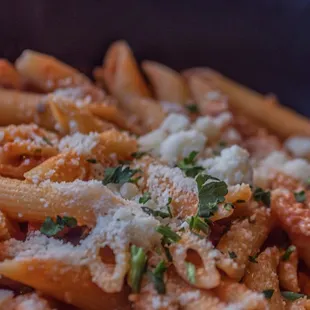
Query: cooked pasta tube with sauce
x,y
244,239
121,74
9,77
168,84
69,283
48,73
261,276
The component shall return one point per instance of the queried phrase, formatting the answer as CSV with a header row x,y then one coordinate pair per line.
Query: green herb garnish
x,y
300,196
232,254
210,194
188,165
228,206
138,155
145,198
268,293
155,213
253,258
197,224
192,108
191,272
92,160
51,228
292,296
137,267
169,236
157,277
288,252
46,140
240,201
168,206
119,175
261,195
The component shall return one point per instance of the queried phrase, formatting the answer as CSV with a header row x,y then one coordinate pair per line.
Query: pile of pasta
x,y
162,191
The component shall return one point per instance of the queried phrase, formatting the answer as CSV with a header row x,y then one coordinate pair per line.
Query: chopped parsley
x,y
288,252
51,228
240,201
268,293
253,258
169,236
157,277
46,140
261,195
92,160
188,165
192,108
292,296
210,194
138,155
197,225
168,206
155,213
228,206
145,198
232,254
191,272
119,175
300,196
137,267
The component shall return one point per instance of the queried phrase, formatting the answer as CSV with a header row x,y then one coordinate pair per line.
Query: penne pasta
x,y
262,277
120,72
168,84
244,239
46,72
9,77
65,282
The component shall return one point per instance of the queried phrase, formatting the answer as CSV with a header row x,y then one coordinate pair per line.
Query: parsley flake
x,y
191,272
228,206
291,295
155,213
268,293
288,252
138,155
261,195
169,236
137,267
157,277
47,141
145,198
192,108
92,160
253,258
51,228
188,165
300,196
210,194
196,225
119,175
232,254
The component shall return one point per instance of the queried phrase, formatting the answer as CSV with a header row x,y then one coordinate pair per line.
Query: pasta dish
x,y
149,189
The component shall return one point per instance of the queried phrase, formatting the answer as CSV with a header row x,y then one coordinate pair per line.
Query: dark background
x,y
263,44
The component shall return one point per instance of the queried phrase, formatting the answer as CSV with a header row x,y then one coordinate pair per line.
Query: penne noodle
x,y
69,283
244,239
121,74
203,258
9,77
288,277
71,118
168,84
262,276
18,107
47,73
255,105
239,295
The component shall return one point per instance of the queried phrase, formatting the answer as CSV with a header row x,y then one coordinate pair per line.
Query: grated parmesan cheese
x,y
79,143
